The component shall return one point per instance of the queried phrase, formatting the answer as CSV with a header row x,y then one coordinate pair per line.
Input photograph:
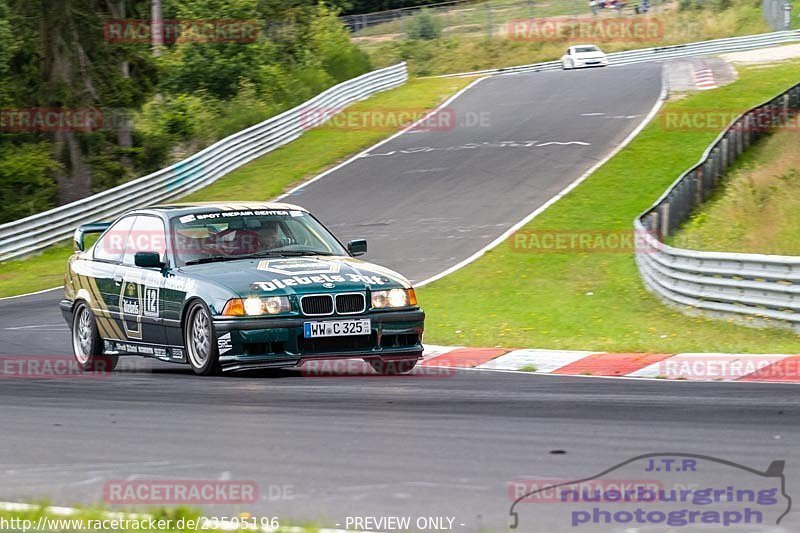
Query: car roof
x,y
179,209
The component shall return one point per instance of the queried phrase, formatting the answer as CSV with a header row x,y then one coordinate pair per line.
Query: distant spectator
x,y
593,6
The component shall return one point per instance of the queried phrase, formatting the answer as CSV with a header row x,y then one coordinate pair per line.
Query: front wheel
x,y
567,65
87,346
201,345
393,367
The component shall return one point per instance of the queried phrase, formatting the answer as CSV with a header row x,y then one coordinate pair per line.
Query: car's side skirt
x,y
172,354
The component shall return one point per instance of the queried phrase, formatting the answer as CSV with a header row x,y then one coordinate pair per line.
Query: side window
x,y
147,235
111,246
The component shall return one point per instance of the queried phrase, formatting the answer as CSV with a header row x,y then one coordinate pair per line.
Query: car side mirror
x,y
148,260
357,247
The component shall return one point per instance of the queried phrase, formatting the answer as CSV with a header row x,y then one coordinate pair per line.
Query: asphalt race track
x,y
445,444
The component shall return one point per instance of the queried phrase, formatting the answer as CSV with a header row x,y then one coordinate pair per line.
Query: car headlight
x,y
393,298
255,306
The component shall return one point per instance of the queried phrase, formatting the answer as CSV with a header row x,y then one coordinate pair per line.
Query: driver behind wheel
x,y
270,235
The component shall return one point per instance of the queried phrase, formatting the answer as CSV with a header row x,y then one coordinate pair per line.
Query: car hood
x,y
296,275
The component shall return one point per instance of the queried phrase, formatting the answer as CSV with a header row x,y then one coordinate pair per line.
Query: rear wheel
x,y
201,345
393,367
87,346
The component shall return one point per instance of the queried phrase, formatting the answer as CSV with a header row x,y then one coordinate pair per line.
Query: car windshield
x,y
585,49
226,235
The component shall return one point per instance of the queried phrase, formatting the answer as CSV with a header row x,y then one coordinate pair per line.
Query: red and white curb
x,y
781,368
704,78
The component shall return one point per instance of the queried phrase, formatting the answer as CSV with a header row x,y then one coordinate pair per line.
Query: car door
x,y
140,289
98,277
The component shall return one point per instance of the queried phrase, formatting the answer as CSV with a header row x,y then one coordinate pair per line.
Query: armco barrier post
x,y
747,122
663,219
715,161
699,193
739,143
723,160
707,179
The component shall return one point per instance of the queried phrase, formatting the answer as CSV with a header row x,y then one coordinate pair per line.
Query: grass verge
x,y
359,127
757,210
519,298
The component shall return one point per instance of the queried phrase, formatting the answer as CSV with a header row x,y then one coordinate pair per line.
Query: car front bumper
x,y
591,63
279,342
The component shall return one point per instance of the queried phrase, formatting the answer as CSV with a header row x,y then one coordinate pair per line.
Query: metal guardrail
x,y
662,53
725,284
36,232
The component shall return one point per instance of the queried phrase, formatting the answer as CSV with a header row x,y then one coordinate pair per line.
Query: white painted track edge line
x,y
30,293
510,231
380,143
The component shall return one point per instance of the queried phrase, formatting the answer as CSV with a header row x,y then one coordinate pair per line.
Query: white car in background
x,y
583,55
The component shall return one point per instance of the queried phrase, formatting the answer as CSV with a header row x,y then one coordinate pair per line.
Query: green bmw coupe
x,y
225,287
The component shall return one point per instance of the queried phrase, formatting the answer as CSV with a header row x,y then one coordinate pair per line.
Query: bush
x,y
424,26
26,183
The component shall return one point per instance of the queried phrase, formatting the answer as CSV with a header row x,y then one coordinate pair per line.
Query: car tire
x,y
87,346
392,367
568,65
200,341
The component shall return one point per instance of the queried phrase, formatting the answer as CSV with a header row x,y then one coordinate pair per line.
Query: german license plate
x,y
337,328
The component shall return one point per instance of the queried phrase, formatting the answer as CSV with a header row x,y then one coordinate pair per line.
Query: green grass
x,y
36,273
757,210
467,52
267,177
597,300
